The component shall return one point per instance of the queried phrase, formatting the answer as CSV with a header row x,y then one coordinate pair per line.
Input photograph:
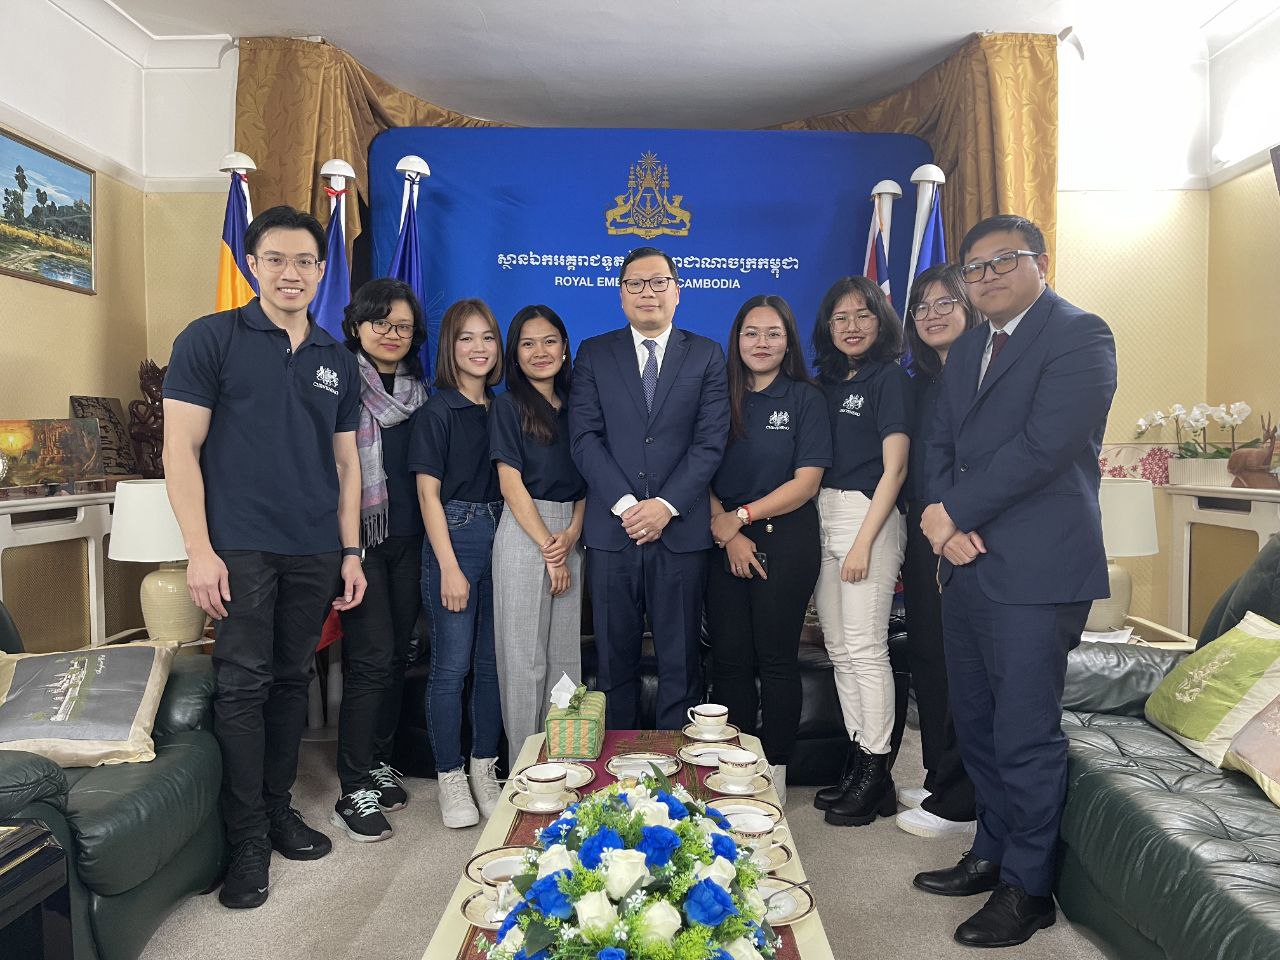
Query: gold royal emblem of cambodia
x,y
646,209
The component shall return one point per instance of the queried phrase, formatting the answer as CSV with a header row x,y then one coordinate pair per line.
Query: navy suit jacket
x,y
1017,460
672,452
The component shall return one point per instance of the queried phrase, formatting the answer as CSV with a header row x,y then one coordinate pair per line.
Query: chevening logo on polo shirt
x,y
327,379
779,420
853,404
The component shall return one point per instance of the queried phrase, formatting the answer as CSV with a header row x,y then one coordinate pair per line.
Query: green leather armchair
x,y
139,837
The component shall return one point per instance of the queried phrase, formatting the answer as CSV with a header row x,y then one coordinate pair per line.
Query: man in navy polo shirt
x,y
260,411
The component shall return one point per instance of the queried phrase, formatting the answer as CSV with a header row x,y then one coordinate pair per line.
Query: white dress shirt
x,y
627,501
991,336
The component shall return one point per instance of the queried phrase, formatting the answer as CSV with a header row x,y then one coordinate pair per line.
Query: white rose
x,y
720,870
595,913
557,857
636,794
743,949
708,827
624,869
659,921
755,903
514,939
655,814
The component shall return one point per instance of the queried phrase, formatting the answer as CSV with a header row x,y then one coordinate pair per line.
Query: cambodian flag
x,y
876,266
236,286
406,262
334,292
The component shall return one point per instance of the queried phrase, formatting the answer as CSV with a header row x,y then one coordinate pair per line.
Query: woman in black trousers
x,y
938,313
384,329
764,519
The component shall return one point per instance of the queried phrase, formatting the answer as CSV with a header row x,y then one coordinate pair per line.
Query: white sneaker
x,y
457,809
485,785
779,776
912,796
922,823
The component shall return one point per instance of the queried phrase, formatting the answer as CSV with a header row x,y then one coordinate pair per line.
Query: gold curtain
x,y
990,113
300,103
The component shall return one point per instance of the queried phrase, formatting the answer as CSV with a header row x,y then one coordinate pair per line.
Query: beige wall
x,y
183,232
58,342
1244,293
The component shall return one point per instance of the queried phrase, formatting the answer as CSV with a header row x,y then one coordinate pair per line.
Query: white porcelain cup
x,y
756,831
737,767
709,719
543,782
501,870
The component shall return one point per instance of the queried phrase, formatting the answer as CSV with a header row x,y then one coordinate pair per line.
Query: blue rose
x,y
708,903
546,896
510,920
540,955
658,844
757,933
603,839
557,832
722,955
716,817
722,845
675,809
612,953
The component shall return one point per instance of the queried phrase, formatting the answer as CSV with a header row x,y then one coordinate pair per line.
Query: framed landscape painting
x,y
46,220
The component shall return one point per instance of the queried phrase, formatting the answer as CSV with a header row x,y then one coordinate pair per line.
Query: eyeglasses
x,y
1005,263
942,306
382,327
768,336
863,318
656,284
274,262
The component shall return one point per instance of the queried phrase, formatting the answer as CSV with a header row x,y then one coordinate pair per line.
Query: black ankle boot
x,y
870,795
829,795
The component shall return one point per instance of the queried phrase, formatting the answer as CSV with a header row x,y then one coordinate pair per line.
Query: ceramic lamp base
x,y
167,608
1109,612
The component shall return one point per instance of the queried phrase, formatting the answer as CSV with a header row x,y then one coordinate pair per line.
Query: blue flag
x,y
933,244
334,292
406,266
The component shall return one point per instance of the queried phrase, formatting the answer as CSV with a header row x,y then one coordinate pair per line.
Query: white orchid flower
x,y
1197,420
1241,410
1219,413
1178,411
1143,426
1158,418
1202,408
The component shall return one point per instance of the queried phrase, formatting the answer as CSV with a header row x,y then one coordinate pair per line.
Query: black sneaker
x,y
358,813
294,839
246,882
387,785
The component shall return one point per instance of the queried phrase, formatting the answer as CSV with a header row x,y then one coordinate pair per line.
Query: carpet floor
x,y
382,900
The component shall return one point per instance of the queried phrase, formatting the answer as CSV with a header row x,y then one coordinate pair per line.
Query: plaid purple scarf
x,y
378,410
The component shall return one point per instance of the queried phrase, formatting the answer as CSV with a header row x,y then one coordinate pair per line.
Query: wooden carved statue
x,y
1251,467
146,420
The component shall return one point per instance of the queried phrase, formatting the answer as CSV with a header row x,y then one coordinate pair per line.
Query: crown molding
x,y
135,42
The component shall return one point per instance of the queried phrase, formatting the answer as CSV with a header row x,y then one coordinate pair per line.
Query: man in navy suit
x,y
1012,475
648,418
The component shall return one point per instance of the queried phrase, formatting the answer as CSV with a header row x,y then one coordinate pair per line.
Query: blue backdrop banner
x,y
520,216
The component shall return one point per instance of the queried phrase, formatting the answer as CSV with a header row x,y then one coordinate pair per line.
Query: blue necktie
x,y
649,378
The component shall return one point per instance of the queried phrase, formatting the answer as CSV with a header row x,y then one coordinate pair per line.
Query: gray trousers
x,y
538,636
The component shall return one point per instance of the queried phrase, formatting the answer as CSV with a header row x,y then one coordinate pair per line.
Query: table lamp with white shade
x,y
144,530
1128,530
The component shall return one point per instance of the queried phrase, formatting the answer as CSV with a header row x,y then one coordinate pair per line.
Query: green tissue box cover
x,y
578,729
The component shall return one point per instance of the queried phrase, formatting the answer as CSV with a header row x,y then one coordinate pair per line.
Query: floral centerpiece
x,y
639,872
1196,459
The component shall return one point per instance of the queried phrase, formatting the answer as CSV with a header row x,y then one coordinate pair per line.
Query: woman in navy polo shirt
x,y
537,565
939,312
458,494
763,516
856,340
384,329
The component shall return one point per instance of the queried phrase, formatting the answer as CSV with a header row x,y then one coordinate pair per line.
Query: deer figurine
x,y
1252,467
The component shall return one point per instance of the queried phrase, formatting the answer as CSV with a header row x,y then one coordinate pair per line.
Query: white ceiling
x,y
673,63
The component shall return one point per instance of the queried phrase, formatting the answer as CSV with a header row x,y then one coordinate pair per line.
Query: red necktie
x,y
997,344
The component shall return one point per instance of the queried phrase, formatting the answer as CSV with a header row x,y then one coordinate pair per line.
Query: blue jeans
x,y
462,643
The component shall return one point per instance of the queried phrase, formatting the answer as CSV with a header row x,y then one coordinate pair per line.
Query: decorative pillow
x,y
1255,751
84,708
1209,697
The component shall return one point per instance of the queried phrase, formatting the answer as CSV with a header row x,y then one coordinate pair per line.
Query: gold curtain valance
x,y
300,103
990,113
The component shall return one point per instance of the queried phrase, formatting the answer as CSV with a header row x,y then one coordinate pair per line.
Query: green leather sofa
x,y
139,837
1162,855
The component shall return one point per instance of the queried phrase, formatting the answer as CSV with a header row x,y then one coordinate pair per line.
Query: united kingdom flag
x,y
876,266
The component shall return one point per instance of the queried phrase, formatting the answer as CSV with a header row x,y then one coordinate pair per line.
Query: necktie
x,y
997,344
649,377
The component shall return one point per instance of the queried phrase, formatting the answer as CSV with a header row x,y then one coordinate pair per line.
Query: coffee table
x,y
454,936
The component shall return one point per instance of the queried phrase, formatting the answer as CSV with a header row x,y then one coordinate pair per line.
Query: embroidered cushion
x,y
1209,697
1255,751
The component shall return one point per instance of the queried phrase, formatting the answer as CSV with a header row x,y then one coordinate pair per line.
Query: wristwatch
x,y
357,552
743,514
